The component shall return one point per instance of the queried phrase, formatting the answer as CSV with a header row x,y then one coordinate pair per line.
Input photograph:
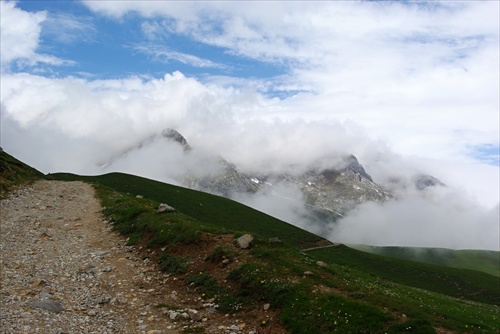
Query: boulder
x,y
244,241
165,208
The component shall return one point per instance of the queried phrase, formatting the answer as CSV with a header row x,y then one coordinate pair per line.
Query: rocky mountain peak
x,y
175,136
354,166
425,181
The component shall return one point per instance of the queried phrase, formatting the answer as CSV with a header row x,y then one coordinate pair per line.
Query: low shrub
x,y
172,264
219,254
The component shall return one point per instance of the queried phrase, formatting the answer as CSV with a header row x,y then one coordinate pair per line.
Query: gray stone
x,y
173,315
321,264
194,315
267,307
211,310
244,241
165,208
103,300
275,241
48,305
184,315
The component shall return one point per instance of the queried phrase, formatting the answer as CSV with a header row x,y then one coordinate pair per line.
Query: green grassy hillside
x,y
349,291
481,260
14,173
454,282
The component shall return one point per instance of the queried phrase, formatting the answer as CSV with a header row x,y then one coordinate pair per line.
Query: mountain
x,y
175,136
481,260
425,181
333,189
328,188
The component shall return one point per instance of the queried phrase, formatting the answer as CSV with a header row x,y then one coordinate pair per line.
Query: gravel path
x,y
63,271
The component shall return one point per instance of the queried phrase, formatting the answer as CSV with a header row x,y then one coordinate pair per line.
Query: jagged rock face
x,y
177,137
226,183
333,190
339,190
336,189
425,181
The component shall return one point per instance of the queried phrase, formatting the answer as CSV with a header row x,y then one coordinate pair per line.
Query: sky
x,y
405,86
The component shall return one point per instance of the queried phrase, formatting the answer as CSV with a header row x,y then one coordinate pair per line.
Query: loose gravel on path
x,y
63,271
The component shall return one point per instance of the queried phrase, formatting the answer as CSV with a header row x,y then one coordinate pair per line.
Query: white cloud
x,y
162,53
20,36
418,75
20,32
68,28
448,222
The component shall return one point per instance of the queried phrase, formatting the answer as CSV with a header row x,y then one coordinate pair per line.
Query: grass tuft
x,y
172,264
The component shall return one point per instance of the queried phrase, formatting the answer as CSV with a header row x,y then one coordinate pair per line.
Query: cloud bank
x,y
416,222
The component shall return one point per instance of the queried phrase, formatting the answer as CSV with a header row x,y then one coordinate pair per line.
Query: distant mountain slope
x,y
14,172
480,260
459,283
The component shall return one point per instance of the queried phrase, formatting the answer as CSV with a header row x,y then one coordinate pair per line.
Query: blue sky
x,y
124,47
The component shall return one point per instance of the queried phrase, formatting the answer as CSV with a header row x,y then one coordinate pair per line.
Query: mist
x,y
95,127
419,222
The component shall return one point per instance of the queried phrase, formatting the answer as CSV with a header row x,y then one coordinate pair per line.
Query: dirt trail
x,y
64,271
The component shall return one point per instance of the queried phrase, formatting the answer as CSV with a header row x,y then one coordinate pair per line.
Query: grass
x,y
14,173
458,283
220,254
328,313
480,260
172,264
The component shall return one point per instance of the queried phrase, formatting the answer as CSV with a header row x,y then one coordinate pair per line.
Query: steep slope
x,y
14,173
227,182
